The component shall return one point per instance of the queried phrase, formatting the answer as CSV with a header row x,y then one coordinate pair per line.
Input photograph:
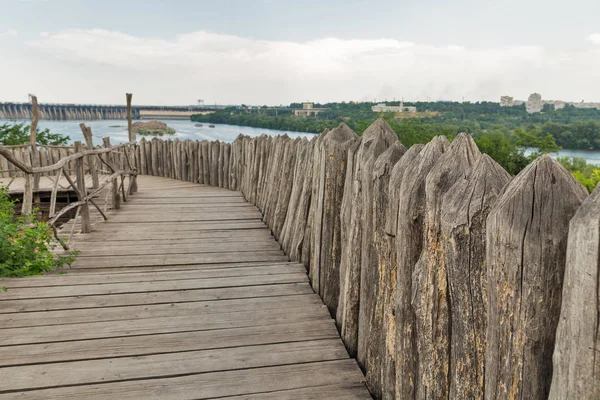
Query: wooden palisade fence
x,y
444,274
448,278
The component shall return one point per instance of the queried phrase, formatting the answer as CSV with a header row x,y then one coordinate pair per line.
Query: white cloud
x,y
234,69
594,38
10,32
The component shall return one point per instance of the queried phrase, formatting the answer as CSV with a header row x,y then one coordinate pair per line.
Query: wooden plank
x,y
166,343
211,385
154,276
168,228
128,287
179,259
144,218
147,326
169,365
174,236
353,391
179,249
192,309
181,242
163,297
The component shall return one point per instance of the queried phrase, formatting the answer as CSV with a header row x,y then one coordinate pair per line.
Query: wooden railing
x,y
108,165
114,175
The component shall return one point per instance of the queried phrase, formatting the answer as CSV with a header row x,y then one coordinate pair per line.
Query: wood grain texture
x,y
576,372
463,223
185,287
526,251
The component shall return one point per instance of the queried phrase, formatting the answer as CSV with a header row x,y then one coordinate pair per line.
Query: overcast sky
x,y
279,51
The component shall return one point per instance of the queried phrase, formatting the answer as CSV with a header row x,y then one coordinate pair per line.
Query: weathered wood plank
x,y
430,300
130,313
211,385
465,209
86,290
94,330
169,365
409,243
377,272
576,372
159,297
526,251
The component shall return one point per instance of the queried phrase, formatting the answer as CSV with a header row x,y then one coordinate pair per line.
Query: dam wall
x,y
86,112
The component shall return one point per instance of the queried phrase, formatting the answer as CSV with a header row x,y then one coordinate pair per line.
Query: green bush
x,y
587,174
25,243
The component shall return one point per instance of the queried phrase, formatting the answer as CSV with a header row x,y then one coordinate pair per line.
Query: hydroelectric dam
x,y
63,112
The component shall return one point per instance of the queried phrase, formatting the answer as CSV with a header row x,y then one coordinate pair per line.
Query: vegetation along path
x,y
181,294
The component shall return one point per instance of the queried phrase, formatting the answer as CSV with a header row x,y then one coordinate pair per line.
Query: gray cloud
x,y
233,69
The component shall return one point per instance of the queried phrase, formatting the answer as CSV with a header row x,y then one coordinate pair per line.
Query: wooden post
x,y
81,191
27,195
35,114
576,372
128,97
525,255
131,149
116,198
465,209
87,134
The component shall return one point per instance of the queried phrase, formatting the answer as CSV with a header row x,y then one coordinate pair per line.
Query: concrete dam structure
x,y
65,112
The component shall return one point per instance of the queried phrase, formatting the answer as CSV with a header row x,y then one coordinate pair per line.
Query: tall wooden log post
x,y
132,140
576,373
35,161
388,285
359,173
309,233
430,300
465,209
409,244
114,187
377,269
326,240
82,191
91,160
297,211
526,253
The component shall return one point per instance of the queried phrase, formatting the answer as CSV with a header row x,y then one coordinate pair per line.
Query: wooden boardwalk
x,y
17,185
181,294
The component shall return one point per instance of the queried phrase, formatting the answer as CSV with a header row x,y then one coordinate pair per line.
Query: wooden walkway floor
x,y
181,294
17,185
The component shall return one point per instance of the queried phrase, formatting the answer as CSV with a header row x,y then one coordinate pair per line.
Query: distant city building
x,y
535,103
382,107
308,110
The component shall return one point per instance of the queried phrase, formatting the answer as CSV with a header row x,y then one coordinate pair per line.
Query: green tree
x,y
25,243
18,133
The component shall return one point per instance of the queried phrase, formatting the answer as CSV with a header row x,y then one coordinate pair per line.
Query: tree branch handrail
x,y
85,199
61,163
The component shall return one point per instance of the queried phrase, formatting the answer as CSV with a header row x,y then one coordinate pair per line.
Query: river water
x,y
117,130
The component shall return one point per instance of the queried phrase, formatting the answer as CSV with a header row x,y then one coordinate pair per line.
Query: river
x,y
117,130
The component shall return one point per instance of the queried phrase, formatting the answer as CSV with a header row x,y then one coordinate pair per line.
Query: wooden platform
x,y
181,294
16,186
